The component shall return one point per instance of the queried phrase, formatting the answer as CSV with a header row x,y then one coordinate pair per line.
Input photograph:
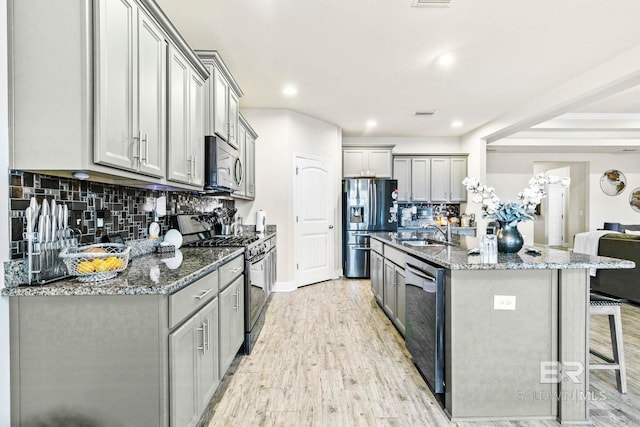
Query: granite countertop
x,y
151,274
456,258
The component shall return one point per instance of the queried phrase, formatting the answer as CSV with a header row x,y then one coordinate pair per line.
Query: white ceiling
x,y
355,60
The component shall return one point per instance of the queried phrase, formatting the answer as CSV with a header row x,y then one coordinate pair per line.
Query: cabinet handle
x,y
237,294
206,335
145,160
235,270
139,150
203,294
193,168
201,347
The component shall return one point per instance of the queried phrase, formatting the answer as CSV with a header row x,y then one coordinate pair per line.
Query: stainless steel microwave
x,y
223,169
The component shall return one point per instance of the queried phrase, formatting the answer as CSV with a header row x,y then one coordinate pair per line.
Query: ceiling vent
x,y
431,3
424,113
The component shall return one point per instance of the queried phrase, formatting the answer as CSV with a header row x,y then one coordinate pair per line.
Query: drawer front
x,y
376,245
230,271
394,255
191,298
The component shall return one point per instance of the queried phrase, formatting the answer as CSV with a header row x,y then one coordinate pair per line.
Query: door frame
x,y
336,215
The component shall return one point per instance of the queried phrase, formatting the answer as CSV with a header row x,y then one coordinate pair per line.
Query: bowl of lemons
x,y
97,262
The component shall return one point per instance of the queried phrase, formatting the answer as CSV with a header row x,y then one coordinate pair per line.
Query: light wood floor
x,y
328,356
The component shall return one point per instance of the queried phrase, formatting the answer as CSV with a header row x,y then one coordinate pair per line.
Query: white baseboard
x,y
284,287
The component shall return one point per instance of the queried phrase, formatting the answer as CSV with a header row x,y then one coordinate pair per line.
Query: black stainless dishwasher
x,y
424,336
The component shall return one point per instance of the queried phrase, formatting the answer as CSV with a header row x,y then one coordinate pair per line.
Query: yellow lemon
x,y
113,263
85,267
100,265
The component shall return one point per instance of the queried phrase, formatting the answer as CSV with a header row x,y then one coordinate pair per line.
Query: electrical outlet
x,y
504,302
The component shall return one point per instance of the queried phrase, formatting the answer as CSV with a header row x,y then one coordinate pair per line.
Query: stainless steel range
x,y
258,271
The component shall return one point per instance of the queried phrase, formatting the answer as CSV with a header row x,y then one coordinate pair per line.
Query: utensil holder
x,y
32,252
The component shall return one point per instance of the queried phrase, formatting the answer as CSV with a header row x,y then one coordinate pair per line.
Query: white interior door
x,y
556,214
314,215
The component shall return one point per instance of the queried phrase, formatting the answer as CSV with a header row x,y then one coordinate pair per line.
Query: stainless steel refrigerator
x,y
366,207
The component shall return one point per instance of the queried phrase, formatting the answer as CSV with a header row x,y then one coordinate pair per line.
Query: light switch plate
x,y
504,302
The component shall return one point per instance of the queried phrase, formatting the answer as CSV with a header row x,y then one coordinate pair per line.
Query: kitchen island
x,y
516,331
146,348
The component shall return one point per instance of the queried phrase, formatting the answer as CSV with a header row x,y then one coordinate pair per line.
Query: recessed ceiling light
x,y
456,124
290,91
446,60
371,123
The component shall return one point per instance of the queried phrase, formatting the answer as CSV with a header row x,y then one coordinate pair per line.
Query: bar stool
x,y
610,307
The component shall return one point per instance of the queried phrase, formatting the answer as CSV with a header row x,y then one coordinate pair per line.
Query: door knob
x,y
331,227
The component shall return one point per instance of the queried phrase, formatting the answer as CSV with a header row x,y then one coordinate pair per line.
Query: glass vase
x,y
510,240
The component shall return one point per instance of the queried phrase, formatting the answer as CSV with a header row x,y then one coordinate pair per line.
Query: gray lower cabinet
x,y
125,360
194,374
388,283
231,311
377,276
231,322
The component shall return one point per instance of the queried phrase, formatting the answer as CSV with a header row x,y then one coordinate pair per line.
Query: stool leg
x,y
615,328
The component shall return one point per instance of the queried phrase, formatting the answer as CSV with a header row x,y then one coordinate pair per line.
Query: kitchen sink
x,y
423,243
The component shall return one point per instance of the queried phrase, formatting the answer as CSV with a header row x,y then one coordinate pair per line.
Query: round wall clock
x,y
613,182
634,199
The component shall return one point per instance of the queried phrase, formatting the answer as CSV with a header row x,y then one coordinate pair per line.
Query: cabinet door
x,y
379,163
377,275
353,163
208,376
220,97
183,359
400,312
402,173
233,111
195,117
115,83
242,155
458,173
231,322
152,84
178,156
440,178
250,166
420,175
389,289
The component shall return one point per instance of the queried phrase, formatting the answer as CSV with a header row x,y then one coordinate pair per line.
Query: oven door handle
x,y
257,260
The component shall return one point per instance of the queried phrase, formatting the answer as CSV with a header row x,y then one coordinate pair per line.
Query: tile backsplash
x,y
121,207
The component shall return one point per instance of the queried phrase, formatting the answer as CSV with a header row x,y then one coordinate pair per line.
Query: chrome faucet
x,y
445,234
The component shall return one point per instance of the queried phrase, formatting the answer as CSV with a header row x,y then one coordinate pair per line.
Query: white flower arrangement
x,y
509,212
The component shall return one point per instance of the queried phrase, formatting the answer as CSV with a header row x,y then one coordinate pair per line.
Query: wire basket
x,y
93,263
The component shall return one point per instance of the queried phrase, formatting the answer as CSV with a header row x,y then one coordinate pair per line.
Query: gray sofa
x,y
622,283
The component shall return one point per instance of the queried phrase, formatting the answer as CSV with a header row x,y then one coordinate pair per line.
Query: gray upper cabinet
x,y
440,172
458,192
430,179
186,121
223,94
420,175
402,173
103,107
366,161
247,153
250,165
220,103
130,86
233,111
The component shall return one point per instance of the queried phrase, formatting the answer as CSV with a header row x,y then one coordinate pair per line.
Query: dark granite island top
x,y
145,275
497,357
455,258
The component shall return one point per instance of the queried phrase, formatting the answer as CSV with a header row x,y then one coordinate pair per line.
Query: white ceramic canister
x,y
261,221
